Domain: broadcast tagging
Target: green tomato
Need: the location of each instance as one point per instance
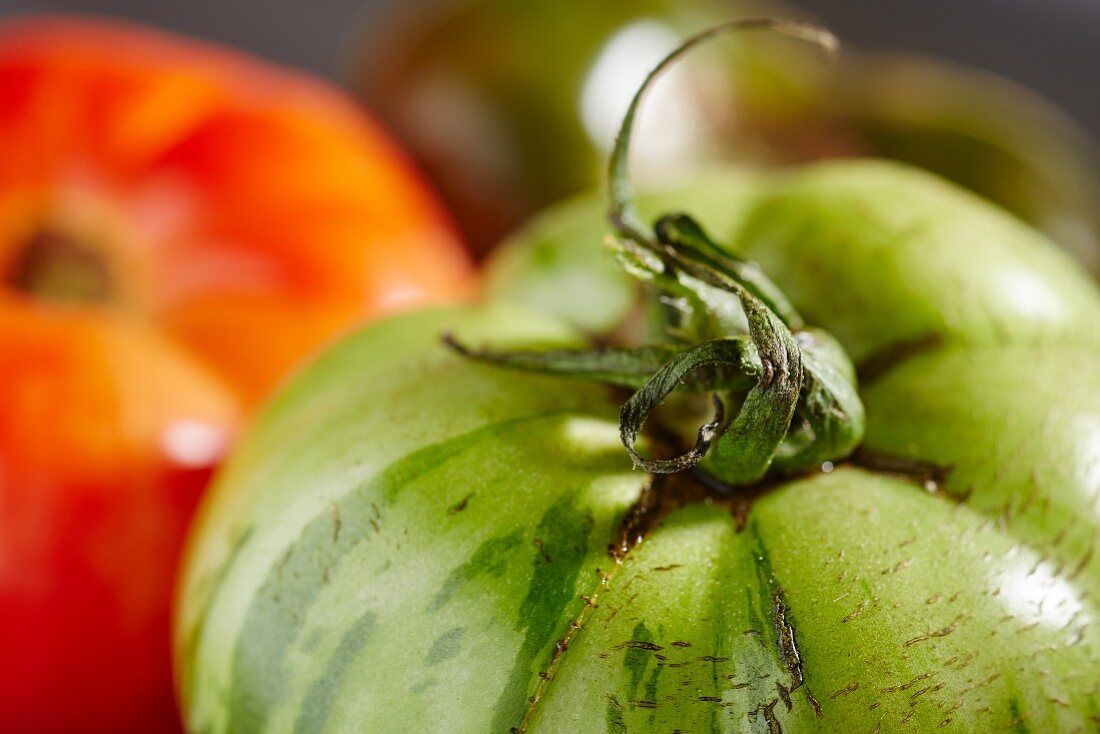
(477, 89)
(412, 541)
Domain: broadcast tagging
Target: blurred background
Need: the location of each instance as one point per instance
(1050, 45)
(410, 60)
(475, 90)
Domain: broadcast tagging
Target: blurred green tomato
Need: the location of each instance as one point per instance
(512, 104)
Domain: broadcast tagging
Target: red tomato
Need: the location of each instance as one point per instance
(178, 226)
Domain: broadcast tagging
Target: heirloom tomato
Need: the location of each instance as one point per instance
(410, 540)
(178, 225)
(889, 523)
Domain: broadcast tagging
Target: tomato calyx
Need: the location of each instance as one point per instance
(725, 329)
(52, 266)
(804, 409)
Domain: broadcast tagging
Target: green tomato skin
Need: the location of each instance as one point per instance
(883, 255)
(886, 256)
(385, 556)
(1041, 477)
(408, 541)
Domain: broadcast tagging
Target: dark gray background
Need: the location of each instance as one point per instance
(1052, 46)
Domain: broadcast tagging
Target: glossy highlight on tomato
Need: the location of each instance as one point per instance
(179, 225)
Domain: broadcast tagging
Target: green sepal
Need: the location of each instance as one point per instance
(737, 354)
(744, 450)
(629, 367)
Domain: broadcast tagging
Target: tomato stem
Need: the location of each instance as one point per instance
(624, 216)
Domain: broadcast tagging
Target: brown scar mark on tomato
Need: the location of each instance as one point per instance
(640, 518)
(740, 512)
(644, 704)
(669, 567)
(680, 643)
(969, 658)
(899, 566)
(860, 609)
(788, 652)
(336, 523)
(850, 688)
(926, 474)
(768, 712)
(978, 685)
(627, 605)
(710, 699)
(942, 632)
(893, 355)
(639, 645)
(1082, 563)
(910, 684)
(460, 505)
(784, 694)
(537, 542)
